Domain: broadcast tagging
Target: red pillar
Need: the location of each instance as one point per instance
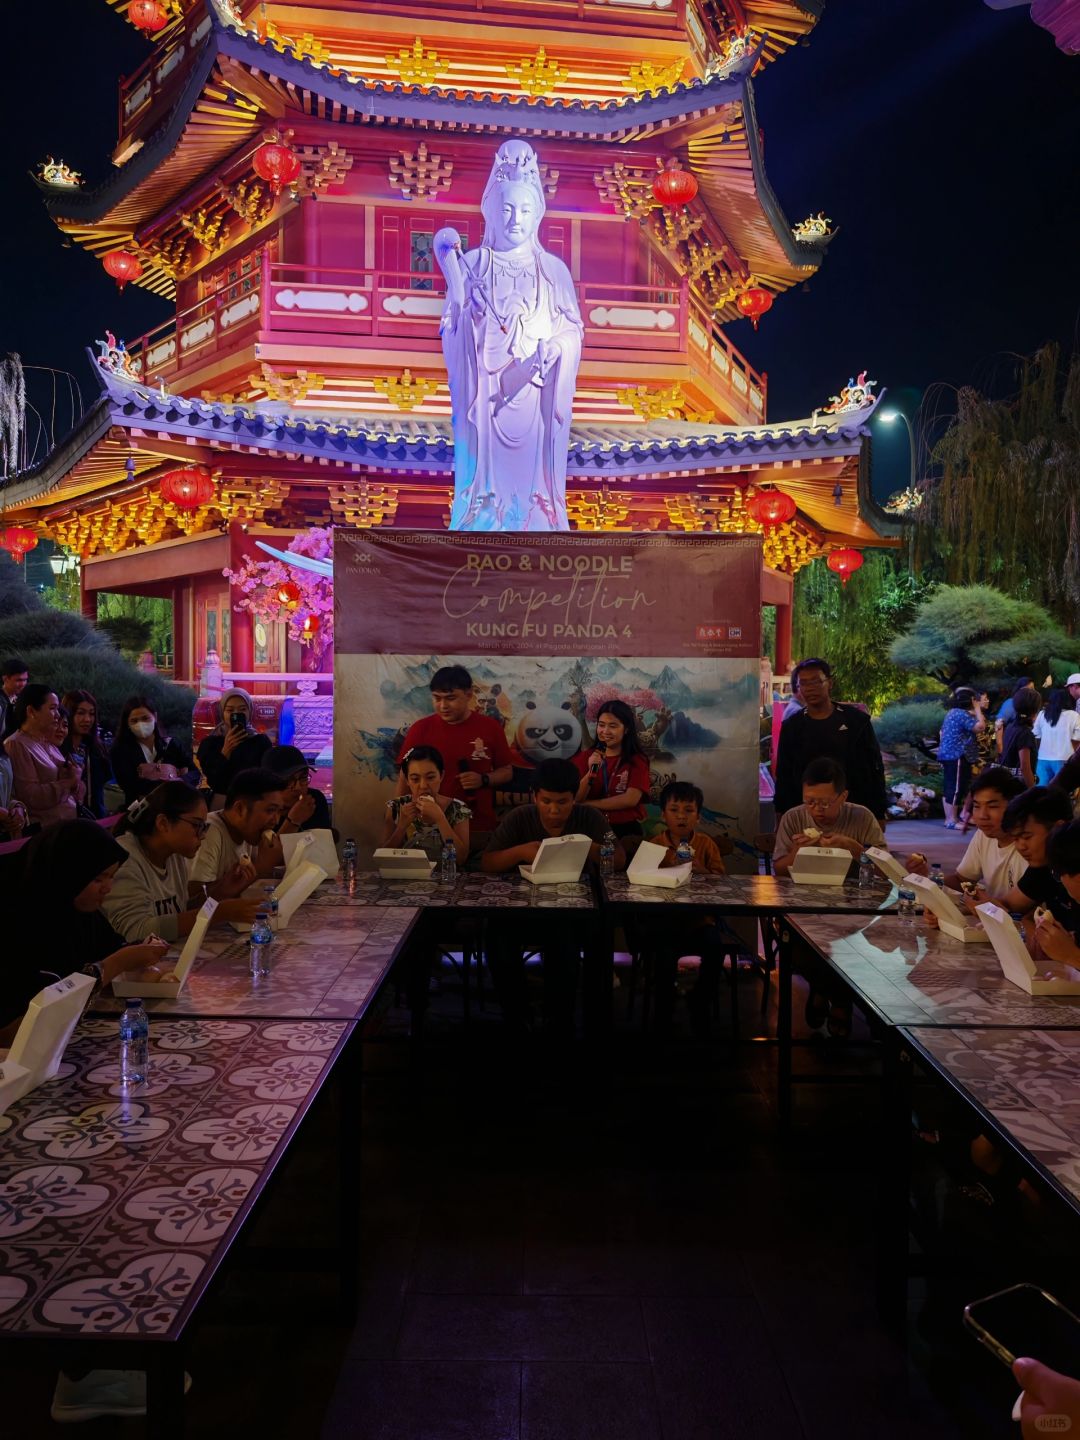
(183, 660)
(88, 599)
(243, 628)
(783, 639)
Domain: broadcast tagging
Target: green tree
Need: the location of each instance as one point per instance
(965, 633)
(1006, 506)
(137, 622)
(853, 625)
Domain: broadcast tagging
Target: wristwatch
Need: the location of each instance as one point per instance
(485, 781)
(96, 971)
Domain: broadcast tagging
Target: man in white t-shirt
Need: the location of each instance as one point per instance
(991, 860)
(242, 833)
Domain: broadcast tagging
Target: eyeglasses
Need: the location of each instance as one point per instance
(199, 826)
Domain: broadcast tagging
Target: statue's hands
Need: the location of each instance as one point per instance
(447, 244)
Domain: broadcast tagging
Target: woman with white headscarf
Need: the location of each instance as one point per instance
(511, 332)
(234, 744)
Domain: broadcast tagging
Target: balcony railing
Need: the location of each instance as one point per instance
(344, 308)
(159, 76)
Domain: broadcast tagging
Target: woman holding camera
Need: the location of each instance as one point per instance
(234, 745)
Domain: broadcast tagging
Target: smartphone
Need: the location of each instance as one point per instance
(238, 720)
(1025, 1320)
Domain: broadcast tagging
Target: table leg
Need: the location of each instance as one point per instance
(783, 1022)
(165, 1393)
(350, 1082)
(894, 1181)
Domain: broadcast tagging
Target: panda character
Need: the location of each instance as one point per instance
(547, 732)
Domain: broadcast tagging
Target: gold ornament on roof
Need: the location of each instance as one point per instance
(289, 388)
(813, 230)
(364, 505)
(734, 49)
(665, 402)
(536, 74)
(418, 66)
(406, 390)
(628, 188)
(645, 78)
(598, 510)
(172, 253)
(320, 167)
(418, 175)
(549, 179)
(671, 228)
(209, 229)
(249, 199)
(303, 46)
(55, 172)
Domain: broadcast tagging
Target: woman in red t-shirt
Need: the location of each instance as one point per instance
(615, 773)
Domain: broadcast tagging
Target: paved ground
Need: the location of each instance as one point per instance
(930, 837)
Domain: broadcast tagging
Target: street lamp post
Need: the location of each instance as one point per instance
(890, 417)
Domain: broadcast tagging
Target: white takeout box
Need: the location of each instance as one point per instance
(170, 989)
(1013, 957)
(42, 1037)
(559, 861)
(952, 921)
(888, 864)
(821, 865)
(645, 869)
(403, 864)
(295, 889)
(316, 846)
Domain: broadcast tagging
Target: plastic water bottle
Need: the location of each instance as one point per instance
(271, 906)
(134, 1044)
(905, 903)
(607, 854)
(448, 863)
(1018, 921)
(684, 855)
(867, 873)
(348, 861)
(937, 875)
(259, 946)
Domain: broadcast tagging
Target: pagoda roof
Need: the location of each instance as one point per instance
(171, 426)
(238, 83)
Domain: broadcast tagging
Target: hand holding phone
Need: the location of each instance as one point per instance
(1026, 1321)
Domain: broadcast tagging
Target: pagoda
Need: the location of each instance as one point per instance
(280, 172)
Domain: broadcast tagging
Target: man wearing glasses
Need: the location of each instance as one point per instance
(824, 729)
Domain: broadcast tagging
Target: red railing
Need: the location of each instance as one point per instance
(343, 308)
(159, 76)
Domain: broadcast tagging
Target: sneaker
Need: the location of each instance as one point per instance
(101, 1392)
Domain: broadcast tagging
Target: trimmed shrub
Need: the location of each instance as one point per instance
(49, 630)
(111, 679)
(913, 725)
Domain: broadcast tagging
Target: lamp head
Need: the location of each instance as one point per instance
(889, 417)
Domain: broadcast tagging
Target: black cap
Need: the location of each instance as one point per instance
(286, 761)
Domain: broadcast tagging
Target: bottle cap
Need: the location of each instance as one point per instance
(133, 1004)
(261, 914)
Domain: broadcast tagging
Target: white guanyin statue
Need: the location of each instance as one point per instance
(511, 333)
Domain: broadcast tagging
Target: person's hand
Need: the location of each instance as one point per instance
(70, 775)
(427, 809)
(302, 810)
(917, 864)
(528, 853)
(167, 772)
(470, 780)
(596, 762)
(930, 918)
(146, 771)
(232, 740)
(1047, 1393)
(407, 814)
(235, 881)
(1055, 942)
(242, 911)
(842, 842)
(139, 957)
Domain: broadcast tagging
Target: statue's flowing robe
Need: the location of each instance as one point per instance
(510, 448)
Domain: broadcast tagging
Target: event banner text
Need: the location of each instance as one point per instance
(468, 594)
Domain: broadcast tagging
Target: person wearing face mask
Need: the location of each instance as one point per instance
(143, 756)
(65, 874)
(45, 783)
(235, 745)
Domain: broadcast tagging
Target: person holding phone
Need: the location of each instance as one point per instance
(1047, 1396)
(235, 745)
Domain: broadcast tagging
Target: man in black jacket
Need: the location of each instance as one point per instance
(825, 728)
(13, 678)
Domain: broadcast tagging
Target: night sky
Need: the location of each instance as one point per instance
(941, 137)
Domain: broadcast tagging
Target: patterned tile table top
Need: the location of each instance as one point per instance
(114, 1206)
(750, 893)
(472, 891)
(1028, 1084)
(912, 975)
(328, 964)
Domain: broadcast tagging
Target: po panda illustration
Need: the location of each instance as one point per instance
(548, 732)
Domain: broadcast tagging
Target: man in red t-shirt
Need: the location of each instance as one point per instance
(473, 746)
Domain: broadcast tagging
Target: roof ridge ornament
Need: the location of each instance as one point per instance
(857, 395)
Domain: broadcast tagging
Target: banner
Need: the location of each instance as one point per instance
(531, 618)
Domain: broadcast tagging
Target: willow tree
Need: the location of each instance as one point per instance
(1005, 509)
(853, 625)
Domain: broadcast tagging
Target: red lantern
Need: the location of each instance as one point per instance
(311, 624)
(771, 507)
(674, 187)
(289, 594)
(753, 303)
(18, 542)
(187, 489)
(122, 266)
(147, 16)
(844, 563)
(277, 165)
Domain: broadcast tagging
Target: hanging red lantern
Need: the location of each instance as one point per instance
(674, 186)
(277, 165)
(288, 594)
(844, 563)
(753, 303)
(122, 266)
(311, 624)
(771, 507)
(187, 489)
(148, 16)
(18, 541)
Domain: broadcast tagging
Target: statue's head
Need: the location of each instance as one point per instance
(513, 203)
